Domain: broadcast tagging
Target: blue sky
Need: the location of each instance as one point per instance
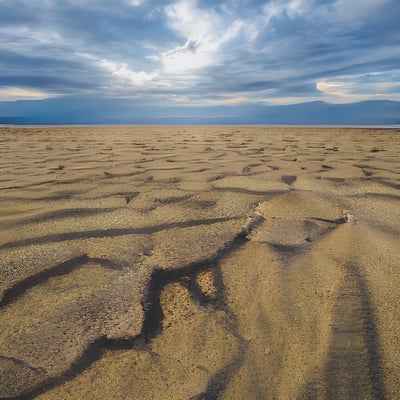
(201, 53)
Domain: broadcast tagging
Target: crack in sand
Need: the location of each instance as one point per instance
(152, 324)
(14, 292)
(355, 367)
(106, 233)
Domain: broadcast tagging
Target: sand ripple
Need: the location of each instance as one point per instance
(199, 263)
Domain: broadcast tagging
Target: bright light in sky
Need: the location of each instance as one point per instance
(201, 51)
(15, 93)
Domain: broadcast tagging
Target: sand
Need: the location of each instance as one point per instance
(199, 263)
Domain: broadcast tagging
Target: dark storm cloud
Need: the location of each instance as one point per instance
(256, 50)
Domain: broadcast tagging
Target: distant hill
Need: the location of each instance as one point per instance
(90, 110)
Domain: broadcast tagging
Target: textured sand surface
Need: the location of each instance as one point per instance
(199, 263)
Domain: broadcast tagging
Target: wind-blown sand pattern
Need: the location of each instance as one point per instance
(199, 263)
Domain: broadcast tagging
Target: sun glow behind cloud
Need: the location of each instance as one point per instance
(203, 32)
(201, 52)
(358, 87)
(15, 93)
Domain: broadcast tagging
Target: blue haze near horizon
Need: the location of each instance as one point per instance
(200, 62)
(70, 110)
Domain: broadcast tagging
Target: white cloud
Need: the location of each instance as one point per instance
(203, 31)
(15, 93)
(355, 88)
(192, 55)
(293, 8)
(228, 101)
(340, 91)
(191, 22)
(122, 72)
(326, 86)
(122, 78)
(271, 9)
(278, 101)
(199, 100)
(135, 3)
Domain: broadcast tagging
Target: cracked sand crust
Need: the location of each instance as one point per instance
(199, 263)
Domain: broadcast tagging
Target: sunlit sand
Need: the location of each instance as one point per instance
(199, 263)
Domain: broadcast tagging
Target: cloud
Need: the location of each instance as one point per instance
(136, 3)
(202, 51)
(192, 55)
(226, 101)
(354, 88)
(292, 8)
(186, 18)
(15, 93)
(204, 32)
(122, 72)
(325, 86)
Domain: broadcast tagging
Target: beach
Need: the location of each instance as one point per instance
(199, 263)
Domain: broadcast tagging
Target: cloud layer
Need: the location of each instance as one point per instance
(197, 52)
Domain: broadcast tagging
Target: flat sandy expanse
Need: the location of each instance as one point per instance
(199, 263)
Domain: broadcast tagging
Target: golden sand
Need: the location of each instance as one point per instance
(199, 263)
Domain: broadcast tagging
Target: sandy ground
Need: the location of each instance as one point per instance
(199, 263)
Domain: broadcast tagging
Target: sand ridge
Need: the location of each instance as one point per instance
(199, 263)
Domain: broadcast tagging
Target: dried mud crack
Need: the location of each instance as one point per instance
(102, 233)
(153, 319)
(125, 271)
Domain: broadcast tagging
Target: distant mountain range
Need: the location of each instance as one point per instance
(89, 110)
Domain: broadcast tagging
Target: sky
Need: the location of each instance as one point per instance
(200, 53)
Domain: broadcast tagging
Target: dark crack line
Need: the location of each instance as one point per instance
(92, 354)
(337, 221)
(265, 193)
(197, 294)
(152, 325)
(28, 185)
(17, 290)
(60, 214)
(108, 233)
(218, 383)
(22, 363)
(55, 197)
(161, 277)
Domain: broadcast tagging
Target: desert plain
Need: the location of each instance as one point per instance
(199, 263)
